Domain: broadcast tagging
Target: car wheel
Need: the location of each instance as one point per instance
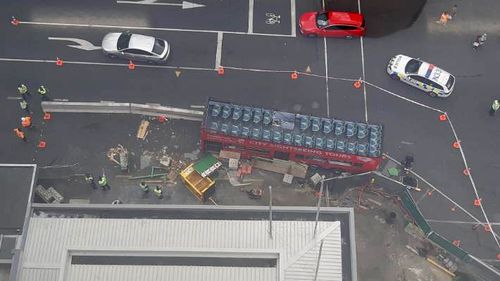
(394, 76)
(348, 37)
(312, 35)
(432, 94)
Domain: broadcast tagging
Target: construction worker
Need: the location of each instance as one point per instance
(103, 183)
(26, 122)
(494, 107)
(24, 105)
(158, 192)
(22, 89)
(90, 180)
(144, 187)
(20, 134)
(43, 92)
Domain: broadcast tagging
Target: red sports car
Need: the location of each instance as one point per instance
(332, 24)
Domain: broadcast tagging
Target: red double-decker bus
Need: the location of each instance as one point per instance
(350, 146)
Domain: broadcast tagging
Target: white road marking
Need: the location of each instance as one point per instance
(218, 54)
(404, 98)
(82, 44)
(151, 28)
(460, 222)
(250, 16)
(184, 4)
(444, 195)
(363, 69)
(294, 18)
(470, 177)
(108, 64)
(326, 79)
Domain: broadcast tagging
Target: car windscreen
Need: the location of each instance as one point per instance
(159, 47)
(123, 41)
(322, 19)
(412, 66)
(450, 82)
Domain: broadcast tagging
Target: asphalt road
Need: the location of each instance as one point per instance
(258, 58)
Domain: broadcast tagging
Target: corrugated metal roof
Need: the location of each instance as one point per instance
(49, 240)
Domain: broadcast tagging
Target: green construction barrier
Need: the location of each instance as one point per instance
(448, 246)
(411, 208)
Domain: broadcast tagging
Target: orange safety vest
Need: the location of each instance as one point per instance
(26, 121)
(19, 134)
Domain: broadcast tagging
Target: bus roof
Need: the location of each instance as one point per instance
(329, 134)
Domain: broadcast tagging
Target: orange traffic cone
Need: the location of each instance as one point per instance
(294, 75)
(357, 84)
(131, 65)
(14, 21)
(442, 117)
(59, 62)
(42, 144)
(220, 70)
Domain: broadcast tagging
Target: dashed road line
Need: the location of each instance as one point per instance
(151, 28)
(250, 16)
(218, 53)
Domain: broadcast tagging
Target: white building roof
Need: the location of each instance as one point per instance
(51, 242)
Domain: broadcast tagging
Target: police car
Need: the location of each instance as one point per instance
(425, 76)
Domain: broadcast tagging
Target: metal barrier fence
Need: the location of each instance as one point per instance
(119, 107)
(393, 187)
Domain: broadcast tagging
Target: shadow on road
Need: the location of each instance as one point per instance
(383, 17)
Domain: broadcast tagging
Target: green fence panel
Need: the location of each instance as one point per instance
(448, 246)
(410, 206)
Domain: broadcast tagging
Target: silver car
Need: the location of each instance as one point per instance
(135, 47)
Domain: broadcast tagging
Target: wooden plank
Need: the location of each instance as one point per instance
(143, 129)
(281, 166)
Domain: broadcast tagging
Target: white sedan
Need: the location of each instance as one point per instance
(135, 47)
(425, 76)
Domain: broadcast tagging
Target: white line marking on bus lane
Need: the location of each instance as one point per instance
(294, 19)
(250, 16)
(218, 53)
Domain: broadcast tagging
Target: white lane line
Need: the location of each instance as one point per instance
(184, 4)
(218, 53)
(445, 196)
(403, 98)
(459, 222)
(326, 79)
(470, 177)
(151, 28)
(250, 16)
(107, 64)
(363, 69)
(294, 19)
